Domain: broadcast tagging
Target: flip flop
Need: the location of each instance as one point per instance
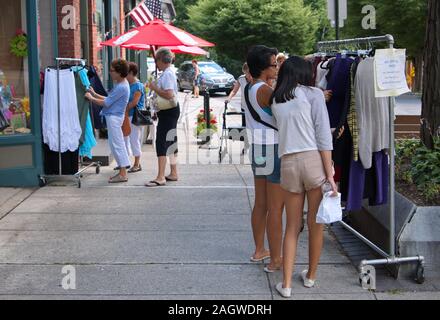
(267, 270)
(154, 184)
(171, 180)
(260, 259)
(118, 179)
(134, 169)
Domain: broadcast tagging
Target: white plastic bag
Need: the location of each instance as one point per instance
(330, 210)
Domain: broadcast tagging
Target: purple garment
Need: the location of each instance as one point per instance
(377, 191)
(382, 171)
(339, 82)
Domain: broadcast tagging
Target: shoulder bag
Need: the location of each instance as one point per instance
(165, 104)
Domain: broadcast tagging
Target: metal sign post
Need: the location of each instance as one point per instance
(337, 13)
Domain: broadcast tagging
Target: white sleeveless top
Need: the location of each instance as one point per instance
(257, 132)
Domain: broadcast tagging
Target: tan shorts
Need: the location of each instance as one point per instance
(301, 172)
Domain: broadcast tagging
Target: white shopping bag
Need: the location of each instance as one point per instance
(330, 210)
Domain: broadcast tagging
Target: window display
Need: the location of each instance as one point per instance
(14, 78)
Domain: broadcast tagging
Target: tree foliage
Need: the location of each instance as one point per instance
(181, 7)
(236, 25)
(404, 19)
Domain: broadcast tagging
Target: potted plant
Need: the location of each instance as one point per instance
(202, 132)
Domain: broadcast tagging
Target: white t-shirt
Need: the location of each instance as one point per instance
(257, 132)
(303, 122)
(168, 81)
(243, 83)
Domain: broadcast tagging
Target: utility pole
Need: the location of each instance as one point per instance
(337, 18)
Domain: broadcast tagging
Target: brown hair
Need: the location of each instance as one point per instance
(133, 68)
(121, 66)
(195, 61)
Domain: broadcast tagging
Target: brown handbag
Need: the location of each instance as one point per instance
(126, 127)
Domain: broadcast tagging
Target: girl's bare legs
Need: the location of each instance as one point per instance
(294, 209)
(259, 218)
(275, 196)
(316, 231)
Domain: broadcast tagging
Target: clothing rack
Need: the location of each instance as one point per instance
(389, 258)
(60, 175)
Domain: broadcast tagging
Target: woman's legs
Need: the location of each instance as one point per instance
(173, 167)
(275, 196)
(162, 163)
(135, 142)
(117, 143)
(294, 208)
(259, 218)
(166, 142)
(316, 231)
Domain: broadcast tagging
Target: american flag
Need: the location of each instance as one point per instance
(146, 11)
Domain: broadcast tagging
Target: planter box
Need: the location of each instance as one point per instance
(417, 231)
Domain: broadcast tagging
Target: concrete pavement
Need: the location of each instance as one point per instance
(189, 240)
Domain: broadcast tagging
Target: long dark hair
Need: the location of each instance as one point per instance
(294, 71)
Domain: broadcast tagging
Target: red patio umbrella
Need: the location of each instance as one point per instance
(195, 51)
(157, 33)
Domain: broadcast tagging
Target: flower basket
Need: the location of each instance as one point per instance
(201, 131)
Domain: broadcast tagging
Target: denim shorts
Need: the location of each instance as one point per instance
(265, 163)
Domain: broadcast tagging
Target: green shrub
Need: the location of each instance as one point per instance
(419, 165)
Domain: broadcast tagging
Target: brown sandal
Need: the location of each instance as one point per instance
(118, 179)
(154, 184)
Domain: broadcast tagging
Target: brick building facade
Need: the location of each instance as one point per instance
(94, 20)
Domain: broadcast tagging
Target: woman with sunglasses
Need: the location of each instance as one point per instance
(263, 136)
(114, 111)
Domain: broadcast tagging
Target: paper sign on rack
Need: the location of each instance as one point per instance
(389, 73)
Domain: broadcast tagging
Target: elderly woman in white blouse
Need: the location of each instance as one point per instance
(166, 136)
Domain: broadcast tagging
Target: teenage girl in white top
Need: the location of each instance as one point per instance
(305, 149)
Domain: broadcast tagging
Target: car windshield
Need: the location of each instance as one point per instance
(210, 68)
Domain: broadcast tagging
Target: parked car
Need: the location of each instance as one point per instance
(212, 77)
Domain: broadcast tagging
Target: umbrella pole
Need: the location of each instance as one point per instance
(153, 52)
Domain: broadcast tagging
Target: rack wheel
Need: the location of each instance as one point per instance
(420, 274)
(98, 169)
(42, 182)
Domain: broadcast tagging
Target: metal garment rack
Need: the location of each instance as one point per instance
(60, 175)
(391, 258)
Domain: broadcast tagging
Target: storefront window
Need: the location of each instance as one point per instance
(100, 25)
(14, 67)
(116, 25)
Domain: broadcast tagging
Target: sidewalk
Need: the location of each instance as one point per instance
(188, 240)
